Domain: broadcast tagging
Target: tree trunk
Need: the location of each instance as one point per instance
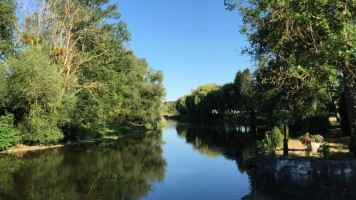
(349, 73)
(336, 108)
(350, 98)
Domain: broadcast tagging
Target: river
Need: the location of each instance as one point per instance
(184, 161)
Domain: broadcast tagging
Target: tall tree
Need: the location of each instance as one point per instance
(7, 22)
(297, 42)
(244, 88)
(74, 71)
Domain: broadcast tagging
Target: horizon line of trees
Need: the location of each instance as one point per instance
(245, 96)
(210, 100)
(65, 70)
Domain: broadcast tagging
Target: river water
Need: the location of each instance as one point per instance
(184, 161)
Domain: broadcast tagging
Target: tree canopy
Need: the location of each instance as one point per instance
(7, 23)
(301, 45)
(72, 71)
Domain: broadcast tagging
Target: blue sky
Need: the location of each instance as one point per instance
(194, 42)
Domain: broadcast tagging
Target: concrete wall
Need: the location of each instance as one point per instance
(284, 178)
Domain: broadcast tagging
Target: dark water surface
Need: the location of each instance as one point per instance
(183, 162)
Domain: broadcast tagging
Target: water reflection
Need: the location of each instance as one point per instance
(109, 170)
(234, 141)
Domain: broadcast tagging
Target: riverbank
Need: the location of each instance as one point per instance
(21, 148)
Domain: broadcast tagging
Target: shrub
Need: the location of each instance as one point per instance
(316, 123)
(325, 152)
(9, 135)
(276, 136)
(271, 141)
(41, 130)
(266, 145)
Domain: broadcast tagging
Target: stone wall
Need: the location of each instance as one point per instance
(285, 178)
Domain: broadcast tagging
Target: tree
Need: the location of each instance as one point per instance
(7, 22)
(73, 72)
(298, 42)
(108, 82)
(35, 93)
(244, 88)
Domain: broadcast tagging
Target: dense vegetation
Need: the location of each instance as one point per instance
(210, 100)
(306, 48)
(65, 71)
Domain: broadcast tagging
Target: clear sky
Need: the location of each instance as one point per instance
(194, 42)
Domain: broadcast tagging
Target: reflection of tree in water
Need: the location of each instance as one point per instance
(109, 170)
(233, 141)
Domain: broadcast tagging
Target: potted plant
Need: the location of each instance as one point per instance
(313, 140)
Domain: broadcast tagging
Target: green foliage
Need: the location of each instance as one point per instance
(294, 45)
(36, 91)
(244, 90)
(3, 85)
(170, 107)
(200, 103)
(83, 81)
(42, 129)
(308, 150)
(276, 136)
(7, 22)
(9, 135)
(325, 151)
(131, 92)
(266, 145)
(316, 123)
(271, 141)
(211, 100)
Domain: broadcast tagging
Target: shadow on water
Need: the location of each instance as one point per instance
(109, 170)
(233, 141)
(297, 180)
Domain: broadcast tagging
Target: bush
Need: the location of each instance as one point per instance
(271, 141)
(41, 129)
(325, 152)
(9, 135)
(266, 145)
(316, 123)
(276, 136)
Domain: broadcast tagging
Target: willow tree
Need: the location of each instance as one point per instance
(298, 42)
